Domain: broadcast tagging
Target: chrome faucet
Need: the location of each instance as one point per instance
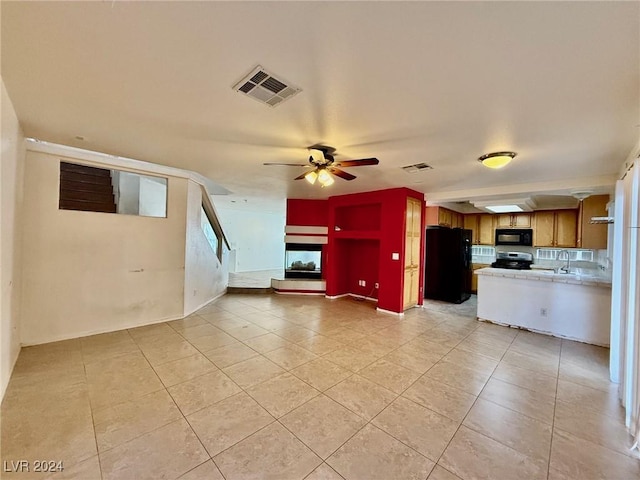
(567, 267)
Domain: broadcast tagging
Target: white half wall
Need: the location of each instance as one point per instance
(88, 272)
(256, 234)
(205, 276)
(575, 312)
(11, 195)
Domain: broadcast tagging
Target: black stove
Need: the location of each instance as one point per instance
(513, 260)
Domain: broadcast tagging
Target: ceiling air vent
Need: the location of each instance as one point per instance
(417, 167)
(265, 87)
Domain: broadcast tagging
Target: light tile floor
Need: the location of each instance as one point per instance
(280, 387)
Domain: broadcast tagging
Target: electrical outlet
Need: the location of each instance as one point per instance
(543, 312)
(377, 285)
(364, 283)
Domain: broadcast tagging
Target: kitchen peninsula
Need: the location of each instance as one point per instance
(575, 306)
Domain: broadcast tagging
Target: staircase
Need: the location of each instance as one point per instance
(86, 188)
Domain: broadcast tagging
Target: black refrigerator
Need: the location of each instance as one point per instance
(447, 264)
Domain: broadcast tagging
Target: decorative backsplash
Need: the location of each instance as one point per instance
(545, 257)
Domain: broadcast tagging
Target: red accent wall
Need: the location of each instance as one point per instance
(363, 263)
(307, 212)
(363, 220)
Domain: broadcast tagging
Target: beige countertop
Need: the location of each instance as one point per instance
(578, 276)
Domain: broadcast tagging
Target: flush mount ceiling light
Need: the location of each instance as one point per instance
(510, 205)
(496, 159)
(504, 208)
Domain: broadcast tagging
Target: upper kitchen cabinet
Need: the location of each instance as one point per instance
(513, 220)
(481, 226)
(444, 217)
(555, 228)
(593, 236)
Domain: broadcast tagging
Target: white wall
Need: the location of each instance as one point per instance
(576, 312)
(129, 190)
(11, 176)
(625, 317)
(153, 197)
(256, 235)
(87, 272)
(205, 277)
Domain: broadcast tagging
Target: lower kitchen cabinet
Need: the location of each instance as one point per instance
(474, 276)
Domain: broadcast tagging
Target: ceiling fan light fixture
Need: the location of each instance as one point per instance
(311, 177)
(330, 181)
(325, 178)
(497, 159)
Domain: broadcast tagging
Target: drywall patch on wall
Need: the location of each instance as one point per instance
(11, 193)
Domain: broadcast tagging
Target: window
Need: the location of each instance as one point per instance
(93, 189)
(210, 233)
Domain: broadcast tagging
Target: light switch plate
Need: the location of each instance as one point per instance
(395, 256)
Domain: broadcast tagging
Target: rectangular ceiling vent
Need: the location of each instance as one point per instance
(417, 167)
(265, 87)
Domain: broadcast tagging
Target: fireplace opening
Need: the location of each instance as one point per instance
(303, 261)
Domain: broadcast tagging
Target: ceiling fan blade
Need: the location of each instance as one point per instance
(357, 163)
(300, 177)
(341, 173)
(288, 164)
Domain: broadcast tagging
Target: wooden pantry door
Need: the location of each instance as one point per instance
(413, 232)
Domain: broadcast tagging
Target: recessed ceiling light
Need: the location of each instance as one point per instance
(496, 159)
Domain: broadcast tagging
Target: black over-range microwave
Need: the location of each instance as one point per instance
(514, 236)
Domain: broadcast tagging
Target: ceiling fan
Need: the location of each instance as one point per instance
(323, 161)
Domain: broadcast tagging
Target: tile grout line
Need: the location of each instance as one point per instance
(347, 408)
(473, 404)
(366, 335)
(93, 421)
(370, 422)
(555, 403)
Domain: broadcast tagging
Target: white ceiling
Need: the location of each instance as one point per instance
(434, 82)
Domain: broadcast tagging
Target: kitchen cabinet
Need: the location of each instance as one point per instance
(474, 276)
(486, 230)
(513, 220)
(592, 236)
(444, 217)
(470, 222)
(457, 220)
(555, 228)
(481, 226)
